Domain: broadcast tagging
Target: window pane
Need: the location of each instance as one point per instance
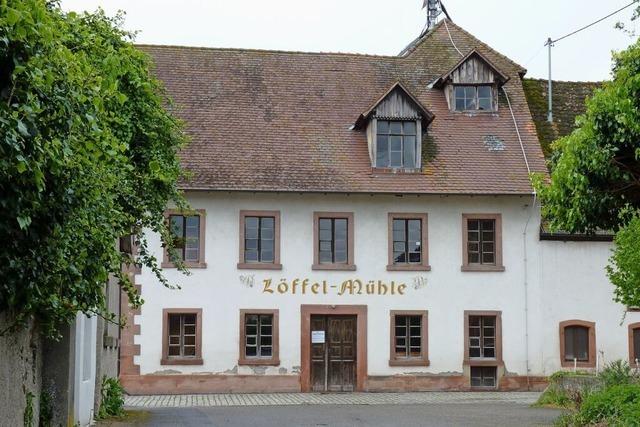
(484, 91)
(324, 224)
(382, 151)
(251, 222)
(251, 256)
(409, 151)
(484, 104)
(267, 222)
(174, 324)
(383, 127)
(340, 228)
(460, 104)
(396, 143)
(250, 351)
(266, 256)
(395, 127)
(409, 128)
(177, 224)
(396, 159)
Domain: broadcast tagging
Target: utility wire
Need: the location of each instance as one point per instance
(592, 24)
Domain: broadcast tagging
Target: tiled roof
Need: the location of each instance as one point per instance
(281, 121)
(568, 103)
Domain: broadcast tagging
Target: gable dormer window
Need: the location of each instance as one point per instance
(395, 125)
(473, 97)
(472, 85)
(396, 144)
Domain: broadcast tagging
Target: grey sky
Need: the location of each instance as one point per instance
(516, 28)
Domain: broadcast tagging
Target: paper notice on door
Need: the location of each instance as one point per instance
(317, 337)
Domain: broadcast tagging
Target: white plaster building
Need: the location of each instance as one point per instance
(365, 223)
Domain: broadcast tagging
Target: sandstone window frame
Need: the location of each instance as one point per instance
(274, 359)
(498, 265)
(424, 262)
(242, 263)
(181, 360)
(349, 265)
(423, 359)
(591, 345)
(201, 263)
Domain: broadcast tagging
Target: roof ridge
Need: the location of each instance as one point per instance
(540, 79)
(269, 51)
(422, 38)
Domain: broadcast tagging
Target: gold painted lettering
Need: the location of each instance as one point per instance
(267, 286)
(347, 286)
(359, 284)
(283, 287)
(305, 283)
(401, 288)
(371, 287)
(382, 288)
(315, 287)
(294, 285)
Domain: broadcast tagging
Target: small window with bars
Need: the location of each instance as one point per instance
(332, 240)
(182, 335)
(259, 239)
(407, 241)
(481, 241)
(408, 336)
(258, 335)
(482, 336)
(576, 343)
(185, 231)
(484, 376)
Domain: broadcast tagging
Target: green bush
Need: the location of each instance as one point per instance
(554, 396)
(616, 406)
(112, 398)
(618, 373)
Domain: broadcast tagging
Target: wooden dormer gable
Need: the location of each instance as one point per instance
(396, 103)
(481, 79)
(473, 68)
(394, 126)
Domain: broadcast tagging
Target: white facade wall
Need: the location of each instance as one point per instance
(563, 281)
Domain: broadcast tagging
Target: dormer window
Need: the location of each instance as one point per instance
(395, 125)
(473, 97)
(472, 85)
(396, 144)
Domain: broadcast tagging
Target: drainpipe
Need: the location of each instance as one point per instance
(550, 94)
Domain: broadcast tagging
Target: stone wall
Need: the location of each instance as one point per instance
(20, 374)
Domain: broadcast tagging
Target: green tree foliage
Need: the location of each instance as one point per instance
(595, 179)
(88, 153)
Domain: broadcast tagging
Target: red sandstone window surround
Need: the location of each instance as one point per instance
(482, 242)
(188, 231)
(409, 338)
(181, 336)
(408, 242)
(333, 241)
(259, 240)
(577, 344)
(259, 337)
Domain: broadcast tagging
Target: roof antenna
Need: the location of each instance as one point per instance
(434, 9)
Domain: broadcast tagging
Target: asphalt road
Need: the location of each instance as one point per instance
(433, 414)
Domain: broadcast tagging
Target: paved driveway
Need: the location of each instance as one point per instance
(337, 410)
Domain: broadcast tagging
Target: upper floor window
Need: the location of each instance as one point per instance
(473, 97)
(482, 336)
(187, 231)
(259, 240)
(482, 242)
(408, 242)
(333, 241)
(396, 144)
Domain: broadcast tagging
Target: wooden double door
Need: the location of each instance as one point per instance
(333, 353)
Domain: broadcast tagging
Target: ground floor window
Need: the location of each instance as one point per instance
(482, 336)
(258, 337)
(577, 343)
(182, 337)
(408, 338)
(483, 376)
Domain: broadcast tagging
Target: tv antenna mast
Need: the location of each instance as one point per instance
(435, 8)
